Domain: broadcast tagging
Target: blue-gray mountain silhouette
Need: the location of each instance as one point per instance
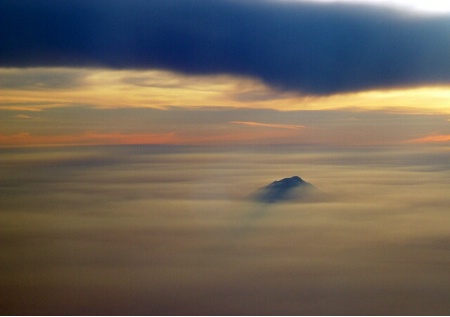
(288, 189)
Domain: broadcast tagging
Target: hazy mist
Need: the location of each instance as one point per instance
(169, 230)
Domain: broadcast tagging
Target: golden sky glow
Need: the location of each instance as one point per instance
(28, 95)
(160, 89)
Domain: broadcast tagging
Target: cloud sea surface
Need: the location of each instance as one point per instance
(167, 230)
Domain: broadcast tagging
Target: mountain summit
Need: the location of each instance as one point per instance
(287, 189)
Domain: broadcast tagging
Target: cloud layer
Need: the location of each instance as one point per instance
(312, 48)
(158, 230)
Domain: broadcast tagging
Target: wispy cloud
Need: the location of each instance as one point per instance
(43, 88)
(269, 125)
(436, 138)
(22, 116)
(226, 125)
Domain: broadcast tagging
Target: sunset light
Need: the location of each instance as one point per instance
(224, 158)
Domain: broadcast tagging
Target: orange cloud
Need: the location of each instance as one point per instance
(437, 138)
(269, 125)
(198, 138)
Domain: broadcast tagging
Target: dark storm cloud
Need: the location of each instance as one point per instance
(319, 49)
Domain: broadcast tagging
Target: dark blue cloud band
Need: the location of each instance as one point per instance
(317, 49)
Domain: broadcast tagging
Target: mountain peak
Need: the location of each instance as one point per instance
(287, 189)
(287, 182)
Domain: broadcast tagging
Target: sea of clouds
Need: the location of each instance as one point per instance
(171, 230)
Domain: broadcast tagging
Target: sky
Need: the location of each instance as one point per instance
(134, 134)
(224, 72)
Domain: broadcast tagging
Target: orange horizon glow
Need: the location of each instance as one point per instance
(437, 138)
(25, 139)
(29, 91)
